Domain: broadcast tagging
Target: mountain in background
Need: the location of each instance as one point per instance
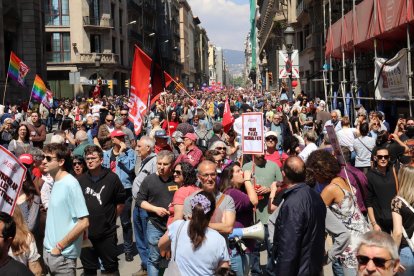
(233, 56)
(235, 61)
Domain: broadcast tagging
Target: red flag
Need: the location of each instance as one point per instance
(228, 119)
(97, 91)
(140, 75)
(157, 82)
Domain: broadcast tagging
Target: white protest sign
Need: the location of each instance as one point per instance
(252, 133)
(12, 174)
(335, 145)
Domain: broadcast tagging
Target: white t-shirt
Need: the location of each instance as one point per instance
(304, 154)
(204, 260)
(346, 137)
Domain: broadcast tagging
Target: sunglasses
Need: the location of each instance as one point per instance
(109, 120)
(378, 262)
(375, 124)
(49, 158)
(77, 163)
(178, 172)
(123, 114)
(271, 138)
(221, 148)
(386, 157)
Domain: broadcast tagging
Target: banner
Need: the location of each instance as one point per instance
(333, 139)
(12, 174)
(252, 133)
(392, 80)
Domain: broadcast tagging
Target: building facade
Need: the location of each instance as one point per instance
(21, 31)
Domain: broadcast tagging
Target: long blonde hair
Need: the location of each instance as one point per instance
(406, 181)
(20, 242)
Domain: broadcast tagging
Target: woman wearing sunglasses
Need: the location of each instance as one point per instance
(185, 176)
(78, 165)
(403, 217)
(323, 167)
(221, 147)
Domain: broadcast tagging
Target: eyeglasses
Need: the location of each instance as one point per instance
(221, 148)
(178, 172)
(378, 262)
(49, 158)
(207, 175)
(109, 120)
(271, 138)
(124, 114)
(77, 163)
(375, 124)
(386, 157)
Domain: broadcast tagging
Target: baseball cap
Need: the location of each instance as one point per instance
(178, 136)
(26, 159)
(270, 133)
(191, 136)
(160, 134)
(117, 133)
(358, 106)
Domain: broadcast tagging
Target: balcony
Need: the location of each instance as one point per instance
(105, 58)
(301, 9)
(98, 22)
(280, 15)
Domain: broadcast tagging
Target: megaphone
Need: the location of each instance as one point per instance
(254, 232)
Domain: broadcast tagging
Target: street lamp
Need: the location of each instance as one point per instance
(289, 34)
(264, 63)
(132, 22)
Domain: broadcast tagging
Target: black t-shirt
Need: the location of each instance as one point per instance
(14, 268)
(158, 193)
(102, 195)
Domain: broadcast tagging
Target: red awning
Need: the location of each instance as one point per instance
(361, 28)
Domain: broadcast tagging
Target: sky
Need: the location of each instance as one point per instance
(226, 21)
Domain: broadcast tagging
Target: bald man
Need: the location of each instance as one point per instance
(81, 138)
(299, 238)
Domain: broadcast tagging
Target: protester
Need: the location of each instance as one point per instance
(299, 239)
(105, 197)
(67, 216)
(21, 143)
(197, 248)
(37, 131)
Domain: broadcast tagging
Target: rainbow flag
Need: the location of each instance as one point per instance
(17, 69)
(39, 90)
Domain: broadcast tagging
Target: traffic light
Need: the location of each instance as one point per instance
(270, 77)
(127, 83)
(110, 84)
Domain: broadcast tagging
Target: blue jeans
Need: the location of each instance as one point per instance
(140, 220)
(407, 260)
(337, 268)
(126, 222)
(154, 258)
(239, 263)
(255, 256)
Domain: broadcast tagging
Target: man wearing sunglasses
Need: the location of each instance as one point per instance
(377, 254)
(104, 132)
(382, 187)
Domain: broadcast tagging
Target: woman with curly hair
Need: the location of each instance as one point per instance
(201, 250)
(339, 196)
(23, 247)
(186, 177)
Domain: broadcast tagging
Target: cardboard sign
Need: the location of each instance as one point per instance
(335, 145)
(12, 174)
(252, 133)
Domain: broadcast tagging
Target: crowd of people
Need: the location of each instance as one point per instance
(183, 190)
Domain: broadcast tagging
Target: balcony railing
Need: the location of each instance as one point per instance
(311, 41)
(100, 22)
(105, 58)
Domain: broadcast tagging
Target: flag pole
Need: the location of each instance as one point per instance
(30, 98)
(5, 88)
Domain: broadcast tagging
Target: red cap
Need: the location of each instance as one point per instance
(191, 136)
(26, 159)
(117, 133)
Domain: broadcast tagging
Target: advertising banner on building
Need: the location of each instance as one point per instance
(252, 133)
(12, 174)
(392, 80)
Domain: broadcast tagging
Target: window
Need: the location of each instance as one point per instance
(57, 12)
(58, 47)
(95, 43)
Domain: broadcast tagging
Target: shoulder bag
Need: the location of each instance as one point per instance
(410, 241)
(172, 269)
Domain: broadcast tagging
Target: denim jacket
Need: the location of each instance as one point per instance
(125, 166)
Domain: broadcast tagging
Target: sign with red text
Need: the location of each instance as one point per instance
(12, 174)
(252, 133)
